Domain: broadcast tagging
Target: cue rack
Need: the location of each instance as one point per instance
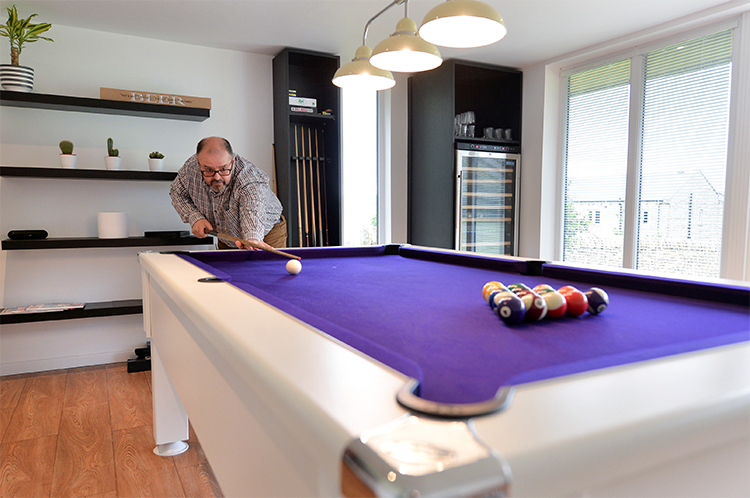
(308, 173)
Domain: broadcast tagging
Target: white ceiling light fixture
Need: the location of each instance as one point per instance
(405, 52)
(462, 24)
(469, 23)
(360, 74)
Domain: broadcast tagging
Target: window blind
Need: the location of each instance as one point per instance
(683, 156)
(596, 163)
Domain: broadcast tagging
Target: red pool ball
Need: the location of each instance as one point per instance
(577, 303)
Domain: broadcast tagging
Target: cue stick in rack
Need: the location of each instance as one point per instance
(304, 187)
(299, 206)
(252, 244)
(325, 196)
(317, 179)
(312, 189)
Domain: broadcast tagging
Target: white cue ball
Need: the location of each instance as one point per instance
(293, 266)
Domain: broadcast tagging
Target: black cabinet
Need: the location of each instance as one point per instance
(493, 93)
(307, 146)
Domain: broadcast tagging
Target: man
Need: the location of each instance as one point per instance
(217, 189)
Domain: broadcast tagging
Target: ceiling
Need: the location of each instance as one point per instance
(538, 30)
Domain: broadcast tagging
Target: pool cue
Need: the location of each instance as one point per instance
(317, 164)
(299, 206)
(304, 187)
(325, 195)
(252, 244)
(312, 189)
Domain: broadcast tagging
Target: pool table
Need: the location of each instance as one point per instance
(383, 370)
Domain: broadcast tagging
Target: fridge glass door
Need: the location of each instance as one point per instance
(486, 216)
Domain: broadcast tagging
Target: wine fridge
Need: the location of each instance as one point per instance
(487, 193)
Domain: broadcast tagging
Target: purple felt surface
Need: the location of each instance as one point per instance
(428, 319)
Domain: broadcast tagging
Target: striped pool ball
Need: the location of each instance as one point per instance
(536, 307)
(539, 289)
(518, 286)
(489, 287)
(496, 295)
(577, 303)
(557, 305)
(598, 300)
(511, 309)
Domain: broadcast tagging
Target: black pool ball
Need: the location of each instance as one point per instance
(598, 300)
(511, 309)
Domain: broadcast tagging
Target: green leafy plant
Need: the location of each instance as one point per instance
(66, 146)
(111, 151)
(21, 31)
(156, 155)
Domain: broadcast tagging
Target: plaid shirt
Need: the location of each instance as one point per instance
(247, 208)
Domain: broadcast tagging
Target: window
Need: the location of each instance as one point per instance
(359, 167)
(671, 106)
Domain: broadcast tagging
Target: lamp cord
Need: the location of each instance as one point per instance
(394, 2)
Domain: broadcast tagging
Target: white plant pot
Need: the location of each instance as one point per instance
(68, 160)
(112, 162)
(155, 164)
(16, 78)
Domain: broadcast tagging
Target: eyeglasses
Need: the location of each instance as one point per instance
(223, 171)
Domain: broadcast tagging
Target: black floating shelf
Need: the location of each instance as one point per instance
(92, 174)
(90, 310)
(101, 106)
(305, 117)
(78, 243)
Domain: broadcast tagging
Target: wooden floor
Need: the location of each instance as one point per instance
(88, 432)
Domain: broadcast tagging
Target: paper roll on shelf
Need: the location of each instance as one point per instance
(112, 225)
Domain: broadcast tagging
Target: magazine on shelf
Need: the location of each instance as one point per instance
(41, 308)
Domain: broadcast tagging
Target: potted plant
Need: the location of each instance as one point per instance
(112, 159)
(156, 161)
(67, 158)
(19, 31)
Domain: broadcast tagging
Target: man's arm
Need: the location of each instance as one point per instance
(186, 208)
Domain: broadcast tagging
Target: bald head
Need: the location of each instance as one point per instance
(214, 145)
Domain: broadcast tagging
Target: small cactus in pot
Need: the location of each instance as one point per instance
(112, 160)
(67, 158)
(156, 161)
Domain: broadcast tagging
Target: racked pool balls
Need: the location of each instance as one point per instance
(598, 300)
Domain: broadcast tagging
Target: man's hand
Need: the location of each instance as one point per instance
(201, 227)
(240, 245)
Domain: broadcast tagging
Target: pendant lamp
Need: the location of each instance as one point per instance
(462, 24)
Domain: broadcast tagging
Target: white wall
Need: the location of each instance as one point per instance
(78, 63)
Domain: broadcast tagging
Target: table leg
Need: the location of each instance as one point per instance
(170, 419)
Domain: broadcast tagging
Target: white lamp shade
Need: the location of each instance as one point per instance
(462, 24)
(405, 52)
(360, 74)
